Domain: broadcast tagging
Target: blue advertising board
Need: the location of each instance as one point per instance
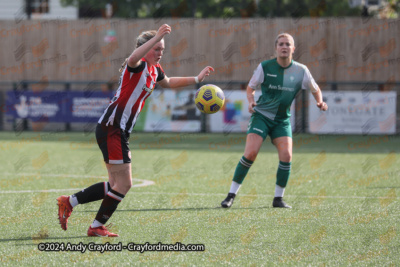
(57, 106)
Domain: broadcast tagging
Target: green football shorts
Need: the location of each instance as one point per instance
(263, 126)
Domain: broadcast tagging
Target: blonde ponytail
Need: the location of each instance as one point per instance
(123, 65)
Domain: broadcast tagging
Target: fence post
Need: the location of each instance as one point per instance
(25, 121)
(203, 117)
(3, 109)
(303, 110)
(68, 124)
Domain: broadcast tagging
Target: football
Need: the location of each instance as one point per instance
(209, 98)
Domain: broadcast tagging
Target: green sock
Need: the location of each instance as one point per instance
(283, 173)
(241, 170)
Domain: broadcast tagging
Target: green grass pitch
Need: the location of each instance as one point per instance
(343, 189)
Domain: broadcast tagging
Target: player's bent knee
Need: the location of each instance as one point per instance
(252, 155)
(286, 157)
(123, 186)
(126, 187)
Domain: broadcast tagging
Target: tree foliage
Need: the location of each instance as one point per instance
(221, 8)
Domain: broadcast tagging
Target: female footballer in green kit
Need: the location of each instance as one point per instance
(281, 79)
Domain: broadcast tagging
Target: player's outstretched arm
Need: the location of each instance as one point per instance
(180, 82)
(141, 51)
(318, 97)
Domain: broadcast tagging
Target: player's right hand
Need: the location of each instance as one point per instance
(163, 30)
(251, 106)
(322, 106)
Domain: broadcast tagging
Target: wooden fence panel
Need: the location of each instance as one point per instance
(334, 49)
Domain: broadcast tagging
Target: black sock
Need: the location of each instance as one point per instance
(108, 206)
(93, 193)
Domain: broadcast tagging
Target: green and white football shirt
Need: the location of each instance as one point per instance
(279, 87)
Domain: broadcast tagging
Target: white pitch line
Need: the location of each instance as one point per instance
(142, 184)
(56, 175)
(39, 191)
(60, 175)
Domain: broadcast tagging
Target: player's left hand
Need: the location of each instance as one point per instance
(205, 72)
(322, 106)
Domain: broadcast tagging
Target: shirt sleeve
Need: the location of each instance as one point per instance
(309, 82)
(257, 78)
(161, 74)
(138, 68)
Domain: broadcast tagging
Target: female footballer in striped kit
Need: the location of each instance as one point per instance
(139, 75)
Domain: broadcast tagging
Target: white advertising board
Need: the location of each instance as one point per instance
(354, 113)
(170, 111)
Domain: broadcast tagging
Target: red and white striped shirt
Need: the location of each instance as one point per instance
(135, 85)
